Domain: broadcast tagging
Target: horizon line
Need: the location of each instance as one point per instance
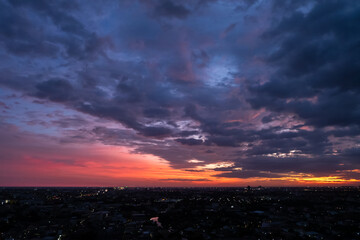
(334, 186)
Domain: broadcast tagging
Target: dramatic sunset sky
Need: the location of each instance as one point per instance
(179, 93)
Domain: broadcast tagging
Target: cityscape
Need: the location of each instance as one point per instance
(180, 213)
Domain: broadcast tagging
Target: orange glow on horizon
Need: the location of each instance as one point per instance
(107, 165)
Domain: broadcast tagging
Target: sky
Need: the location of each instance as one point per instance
(179, 93)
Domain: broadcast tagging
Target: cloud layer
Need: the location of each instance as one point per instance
(270, 89)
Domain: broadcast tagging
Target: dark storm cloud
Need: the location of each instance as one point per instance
(188, 133)
(22, 33)
(351, 152)
(314, 142)
(224, 141)
(197, 79)
(57, 90)
(189, 141)
(324, 165)
(351, 130)
(156, 131)
(248, 174)
(194, 170)
(20, 36)
(125, 117)
(168, 8)
(317, 65)
(276, 167)
(156, 113)
(57, 12)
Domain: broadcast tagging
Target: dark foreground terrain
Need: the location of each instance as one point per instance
(180, 213)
